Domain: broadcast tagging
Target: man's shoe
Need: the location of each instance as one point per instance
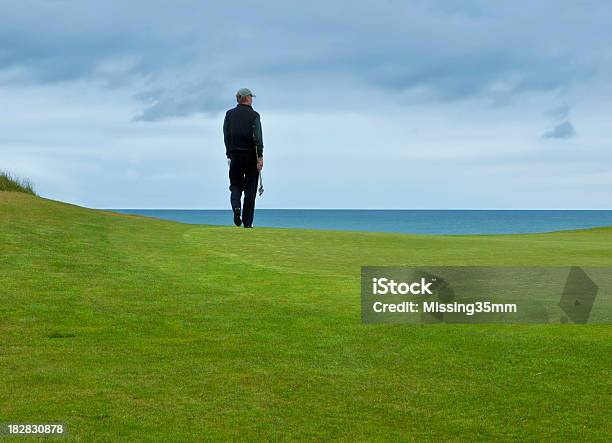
(237, 219)
(248, 226)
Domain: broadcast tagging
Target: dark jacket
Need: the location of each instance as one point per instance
(242, 130)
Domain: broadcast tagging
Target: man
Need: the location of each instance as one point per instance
(244, 150)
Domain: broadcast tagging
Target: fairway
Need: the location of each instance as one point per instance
(127, 328)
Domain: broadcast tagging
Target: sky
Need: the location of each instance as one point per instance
(364, 104)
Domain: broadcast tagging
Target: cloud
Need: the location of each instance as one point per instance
(381, 91)
(202, 97)
(563, 130)
(560, 112)
(430, 51)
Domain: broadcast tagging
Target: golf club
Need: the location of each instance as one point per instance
(261, 188)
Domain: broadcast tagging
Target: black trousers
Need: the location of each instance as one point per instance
(243, 175)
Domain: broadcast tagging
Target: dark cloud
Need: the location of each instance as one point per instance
(441, 50)
(496, 75)
(204, 97)
(563, 130)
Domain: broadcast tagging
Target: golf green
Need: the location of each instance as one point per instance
(129, 328)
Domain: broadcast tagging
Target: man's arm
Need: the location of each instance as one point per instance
(226, 135)
(258, 136)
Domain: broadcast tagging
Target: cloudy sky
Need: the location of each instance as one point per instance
(364, 104)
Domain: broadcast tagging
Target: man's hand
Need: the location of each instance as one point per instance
(259, 163)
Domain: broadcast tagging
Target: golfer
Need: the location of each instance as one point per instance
(244, 150)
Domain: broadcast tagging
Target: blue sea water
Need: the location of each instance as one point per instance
(407, 221)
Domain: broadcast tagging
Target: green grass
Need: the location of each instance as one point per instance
(12, 183)
(128, 328)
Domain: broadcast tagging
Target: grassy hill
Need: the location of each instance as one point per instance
(125, 327)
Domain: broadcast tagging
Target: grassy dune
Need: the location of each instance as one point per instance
(125, 327)
(12, 183)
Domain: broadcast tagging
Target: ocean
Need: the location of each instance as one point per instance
(407, 221)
